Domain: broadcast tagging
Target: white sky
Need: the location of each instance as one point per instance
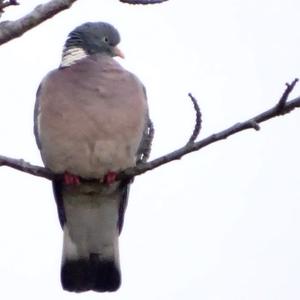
(222, 223)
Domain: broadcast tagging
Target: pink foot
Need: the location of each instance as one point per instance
(70, 179)
(110, 177)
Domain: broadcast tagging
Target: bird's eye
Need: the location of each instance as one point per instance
(105, 39)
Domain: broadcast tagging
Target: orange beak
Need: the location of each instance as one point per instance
(118, 52)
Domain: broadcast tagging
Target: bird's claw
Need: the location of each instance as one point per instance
(109, 177)
(70, 179)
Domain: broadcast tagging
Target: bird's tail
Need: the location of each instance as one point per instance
(96, 271)
(90, 258)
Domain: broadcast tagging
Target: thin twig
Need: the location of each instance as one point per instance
(26, 167)
(198, 122)
(285, 95)
(13, 29)
(143, 1)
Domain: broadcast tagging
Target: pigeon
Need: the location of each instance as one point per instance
(91, 121)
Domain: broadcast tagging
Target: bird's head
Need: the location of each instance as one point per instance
(93, 37)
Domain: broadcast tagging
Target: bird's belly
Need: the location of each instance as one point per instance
(89, 158)
(89, 162)
(111, 155)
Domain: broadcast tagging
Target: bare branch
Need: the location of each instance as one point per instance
(286, 107)
(21, 165)
(13, 29)
(285, 95)
(251, 123)
(143, 1)
(198, 122)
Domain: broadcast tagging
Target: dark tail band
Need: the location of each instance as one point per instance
(90, 274)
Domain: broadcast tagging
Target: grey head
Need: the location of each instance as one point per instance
(95, 37)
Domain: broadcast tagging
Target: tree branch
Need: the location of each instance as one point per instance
(198, 122)
(282, 101)
(21, 165)
(281, 108)
(13, 29)
(143, 1)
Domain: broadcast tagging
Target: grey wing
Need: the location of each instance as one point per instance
(146, 143)
(143, 154)
(144, 150)
(36, 117)
(57, 184)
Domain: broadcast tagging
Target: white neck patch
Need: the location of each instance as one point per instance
(71, 56)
